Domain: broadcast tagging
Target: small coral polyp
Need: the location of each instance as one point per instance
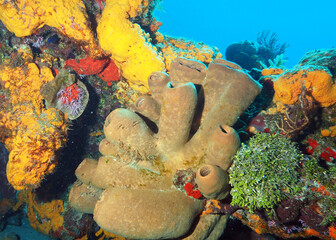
(144, 159)
(66, 93)
(71, 98)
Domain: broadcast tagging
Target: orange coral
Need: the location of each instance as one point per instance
(317, 81)
(329, 132)
(33, 133)
(44, 217)
(272, 71)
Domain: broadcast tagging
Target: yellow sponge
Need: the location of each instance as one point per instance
(127, 42)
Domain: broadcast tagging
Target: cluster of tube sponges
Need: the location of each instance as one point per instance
(184, 124)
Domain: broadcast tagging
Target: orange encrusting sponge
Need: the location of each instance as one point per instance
(317, 81)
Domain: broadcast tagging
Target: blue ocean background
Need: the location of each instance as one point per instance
(304, 25)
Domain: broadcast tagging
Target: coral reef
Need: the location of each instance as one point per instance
(178, 147)
(306, 206)
(182, 129)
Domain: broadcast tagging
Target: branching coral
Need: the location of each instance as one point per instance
(181, 130)
(270, 41)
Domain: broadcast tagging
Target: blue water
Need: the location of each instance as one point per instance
(304, 25)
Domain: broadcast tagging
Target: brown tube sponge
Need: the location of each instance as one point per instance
(175, 120)
(223, 88)
(223, 145)
(183, 70)
(127, 128)
(148, 107)
(108, 148)
(227, 63)
(146, 214)
(111, 173)
(143, 159)
(84, 197)
(86, 170)
(213, 182)
(222, 80)
(157, 82)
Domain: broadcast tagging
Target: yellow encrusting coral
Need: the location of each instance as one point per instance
(177, 47)
(129, 45)
(24, 18)
(33, 155)
(33, 134)
(24, 83)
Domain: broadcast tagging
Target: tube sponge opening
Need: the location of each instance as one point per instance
(212, 181)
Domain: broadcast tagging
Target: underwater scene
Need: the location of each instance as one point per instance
(166, 119)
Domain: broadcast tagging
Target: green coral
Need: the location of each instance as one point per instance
(264, 172)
